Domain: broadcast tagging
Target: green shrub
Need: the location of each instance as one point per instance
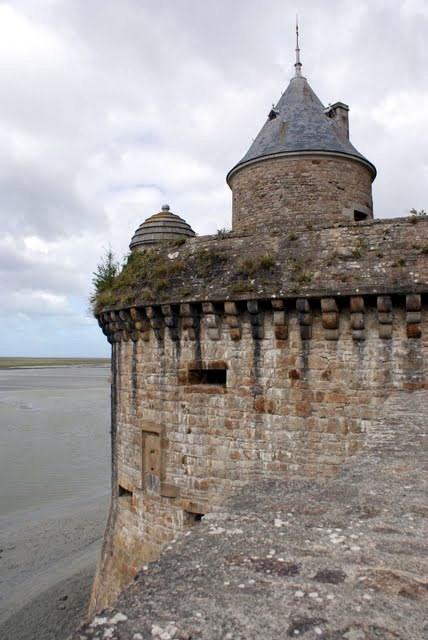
(178, 242)
(103, 299)
(241, 286)
(304, 277)
(267, 262)
(103, 279)
(183, 292)
(247, 266)
(332, 259)
(206, 259)
(361, 242)
(223, 233)
(107, 270)
(147, 295)
(296, 266)
(252, 266)
(151, 271)
(160, 284)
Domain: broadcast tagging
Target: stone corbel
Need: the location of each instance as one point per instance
(384, 315)
(279, 319)
(141, 324)
(413, 315)
(304, 318)
(138, 324)
(170, 319)
(358, 310)
(156, 321)
(188, 321)
(232, 320)
(256, 319)
(212, 320)
(330, 318)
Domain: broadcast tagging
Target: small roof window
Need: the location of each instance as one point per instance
(273, 113)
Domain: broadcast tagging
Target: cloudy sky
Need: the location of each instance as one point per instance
(109, 108)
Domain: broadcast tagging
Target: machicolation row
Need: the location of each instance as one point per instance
(184, 320)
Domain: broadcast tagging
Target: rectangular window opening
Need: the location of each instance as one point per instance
(191, 518)
(208, 376)
(359, 216)
(124, 493)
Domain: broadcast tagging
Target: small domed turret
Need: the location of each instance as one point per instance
(161, 226)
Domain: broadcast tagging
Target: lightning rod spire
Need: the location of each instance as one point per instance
(298, 64)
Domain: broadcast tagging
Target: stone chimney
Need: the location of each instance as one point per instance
(339, 113)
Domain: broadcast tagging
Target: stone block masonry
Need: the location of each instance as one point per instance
(292, 191)
(213, 396)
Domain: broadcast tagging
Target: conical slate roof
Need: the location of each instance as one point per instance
(299, 123)
(161, 226)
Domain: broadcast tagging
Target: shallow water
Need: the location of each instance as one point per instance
(54, 435)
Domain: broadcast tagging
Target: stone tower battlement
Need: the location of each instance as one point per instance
(261, 353)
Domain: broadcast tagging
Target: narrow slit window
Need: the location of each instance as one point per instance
(208, 376)
(124, 493)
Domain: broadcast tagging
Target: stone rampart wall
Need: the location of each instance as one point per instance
(379, 256)
(208, 397)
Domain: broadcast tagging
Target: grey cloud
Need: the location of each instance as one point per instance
(102, 85)
(22, 272)
(35, 201)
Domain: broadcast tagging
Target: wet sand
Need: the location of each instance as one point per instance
(47, 562)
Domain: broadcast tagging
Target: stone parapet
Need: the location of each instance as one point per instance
(367, 258)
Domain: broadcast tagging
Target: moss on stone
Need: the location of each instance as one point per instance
(241, 286)
(212, 268)
(205, 260)
(256, 264)
(147, 271)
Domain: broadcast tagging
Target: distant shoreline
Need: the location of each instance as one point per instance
(39, 363)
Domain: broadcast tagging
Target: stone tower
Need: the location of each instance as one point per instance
(302, 167)
(261, 353)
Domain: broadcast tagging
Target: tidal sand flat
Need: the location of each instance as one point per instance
(54, 486)
(47, 564)
(54, 435)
